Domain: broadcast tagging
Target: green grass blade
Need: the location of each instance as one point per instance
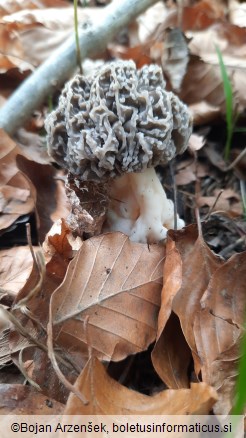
(229, 103)
(240, 129)
(240, 401)
(76, 30)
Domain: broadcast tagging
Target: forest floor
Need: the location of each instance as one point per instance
(76, 324)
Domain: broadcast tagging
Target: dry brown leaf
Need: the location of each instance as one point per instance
(139, 54)
(114, 285)
(188, 171)
(210, 83)
(203, 14)
(198, 264)
(51, 201)
(29, 36)
(13, 342)
(15, 267)
(60, 240)
(203, 113)
(232, 42)
(17, 195)
(210, 306)
(33, 146)
(23, 400)
(227, 201)
(108, 397)
(167, 360)
(175, 57)
(14, 53)
(199, 16)
(11, 6)
(222, 314)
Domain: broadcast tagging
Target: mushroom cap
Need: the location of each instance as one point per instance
(117, 121)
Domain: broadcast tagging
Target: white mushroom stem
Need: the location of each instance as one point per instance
(143, 211)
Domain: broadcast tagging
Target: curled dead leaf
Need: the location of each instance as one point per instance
(209, 300)
(170, 344)
(108, 397)
(61, 241)
(222, 314)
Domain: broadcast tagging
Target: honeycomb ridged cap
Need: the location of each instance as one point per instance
(116, 121)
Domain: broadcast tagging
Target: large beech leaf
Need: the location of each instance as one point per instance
(222, 314)
(110, 297)
(106, 396)
(171, 355)
(208, 296)
(198, 265)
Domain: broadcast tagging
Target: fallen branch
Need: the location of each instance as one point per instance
(61, 65)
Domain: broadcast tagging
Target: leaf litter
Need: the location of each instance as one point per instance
(107, 300)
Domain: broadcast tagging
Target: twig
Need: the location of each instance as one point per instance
(213, 206)
(19, 363)
(233, 164)
(53, 360)
(29, 241)
(62, 64)
(231, 247)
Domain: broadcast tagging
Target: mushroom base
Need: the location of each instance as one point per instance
(139, 208)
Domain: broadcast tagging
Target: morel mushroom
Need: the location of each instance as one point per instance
(112, 129)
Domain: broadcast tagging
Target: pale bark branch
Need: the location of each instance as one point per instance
(60, 66)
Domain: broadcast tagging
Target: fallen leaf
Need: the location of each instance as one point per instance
(222, 313)
(15, 267)
(203, 113)
(170, 344)
(23, 400)
(108, 397)
(210, 82)
(51, 202)
(210, 305)
(114, 285)
(32, 146)
(29, 36)
(139, 54)
(231, 40)
(175, 57)
(199, 264)
(188, 171)
(17, 194)
(60, 240)
(203, 14)
(10, 6)
(227, 200)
